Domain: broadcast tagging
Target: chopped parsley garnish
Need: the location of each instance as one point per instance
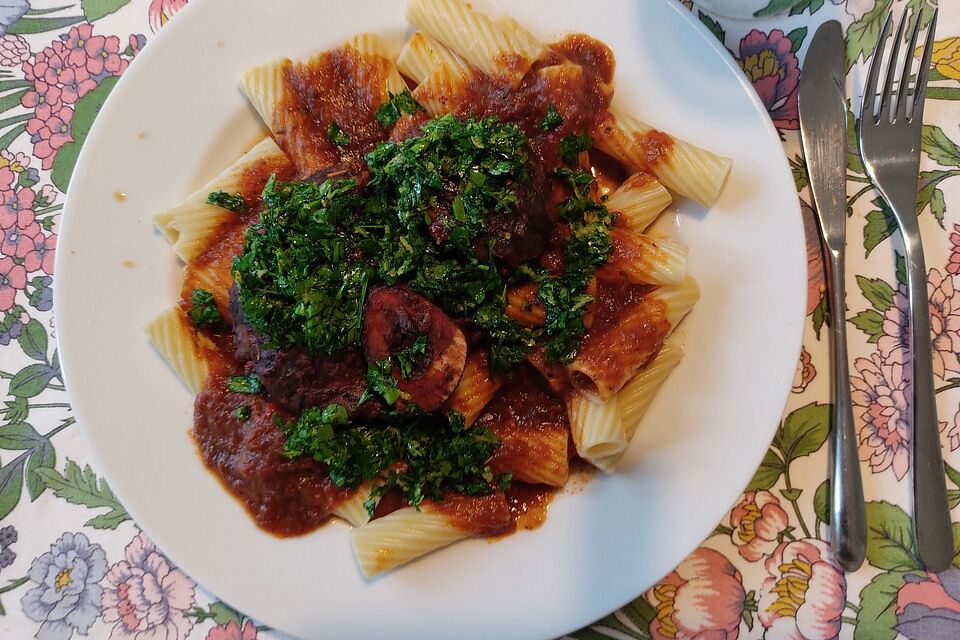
(335, 135)
(249, 384)
(380, 380)
(297, 278)
(412, 357)
(395, 106)
(229, 201)
(423, 221)
(572, 145)
(552, 120)
(204, 313)
(242, 412)
(452, 178)
(435, 453)
(586, 248)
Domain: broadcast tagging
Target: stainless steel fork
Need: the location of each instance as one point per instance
(890, 146)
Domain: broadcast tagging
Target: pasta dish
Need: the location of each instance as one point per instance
(433, 286)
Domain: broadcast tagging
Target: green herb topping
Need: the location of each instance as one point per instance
(395, 106)
(572, 145)
(242, 412)
(380, 380)
(337, 136)
(204, 313)
(412, 357)
(586, 248)
(249, 384)
(436, 453)
(307, 264)
(229, 201)
(552, 120)
(295, 278)
(421, 221)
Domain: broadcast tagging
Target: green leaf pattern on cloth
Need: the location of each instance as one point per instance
(765, 572)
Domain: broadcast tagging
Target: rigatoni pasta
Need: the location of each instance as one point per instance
(476, 388)
(597, 427)
(194, 223)
(495, 46)
(638, 201)
(181, 346)
(426, 293)
(692, 172)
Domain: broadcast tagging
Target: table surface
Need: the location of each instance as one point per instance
(73, 563)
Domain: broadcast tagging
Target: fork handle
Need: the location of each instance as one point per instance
(932, 526)
(848, 520)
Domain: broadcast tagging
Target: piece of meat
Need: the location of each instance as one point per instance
(296, 380)
(246, 340)
(393, 319)
(521, 234)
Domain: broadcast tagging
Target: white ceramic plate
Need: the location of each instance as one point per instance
(177, 118)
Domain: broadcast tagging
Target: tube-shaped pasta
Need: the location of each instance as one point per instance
(498, 47)
(371, 44)
(477, 387)
(182, 347)
(441, 92)
(537, 455)
(533, 430)
(402, 536)
(294, 119)
(263, 86)
(407, 533)
(553, 372)
(638, 201)
(352, 509)
(193, 224)
(678, 300)
(641, 259)
(689, 170)
(635, 397)
(638, 393)
(609, 357)
(421, 55)
(597, 428)
(211, 270)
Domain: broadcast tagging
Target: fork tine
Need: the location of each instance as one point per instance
(887, 103)
(920, 90)
(869, 102)
(901, 109)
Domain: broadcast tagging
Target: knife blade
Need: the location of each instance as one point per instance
(823, 129)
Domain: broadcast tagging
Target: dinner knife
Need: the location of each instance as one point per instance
(823, 128)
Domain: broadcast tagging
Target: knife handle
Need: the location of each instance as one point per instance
(848, 518)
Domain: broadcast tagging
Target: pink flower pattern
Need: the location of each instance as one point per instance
(806, 372)
(758, 521)
(14, 50)
(233, 631)
(804, 593)
(63, 73)
(772, 67)
(702, 598)
(162, 10)
(146, 597)
(880, 407)
(944, 322)
(13, 278)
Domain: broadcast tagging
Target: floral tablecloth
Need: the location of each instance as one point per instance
(73, 564)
